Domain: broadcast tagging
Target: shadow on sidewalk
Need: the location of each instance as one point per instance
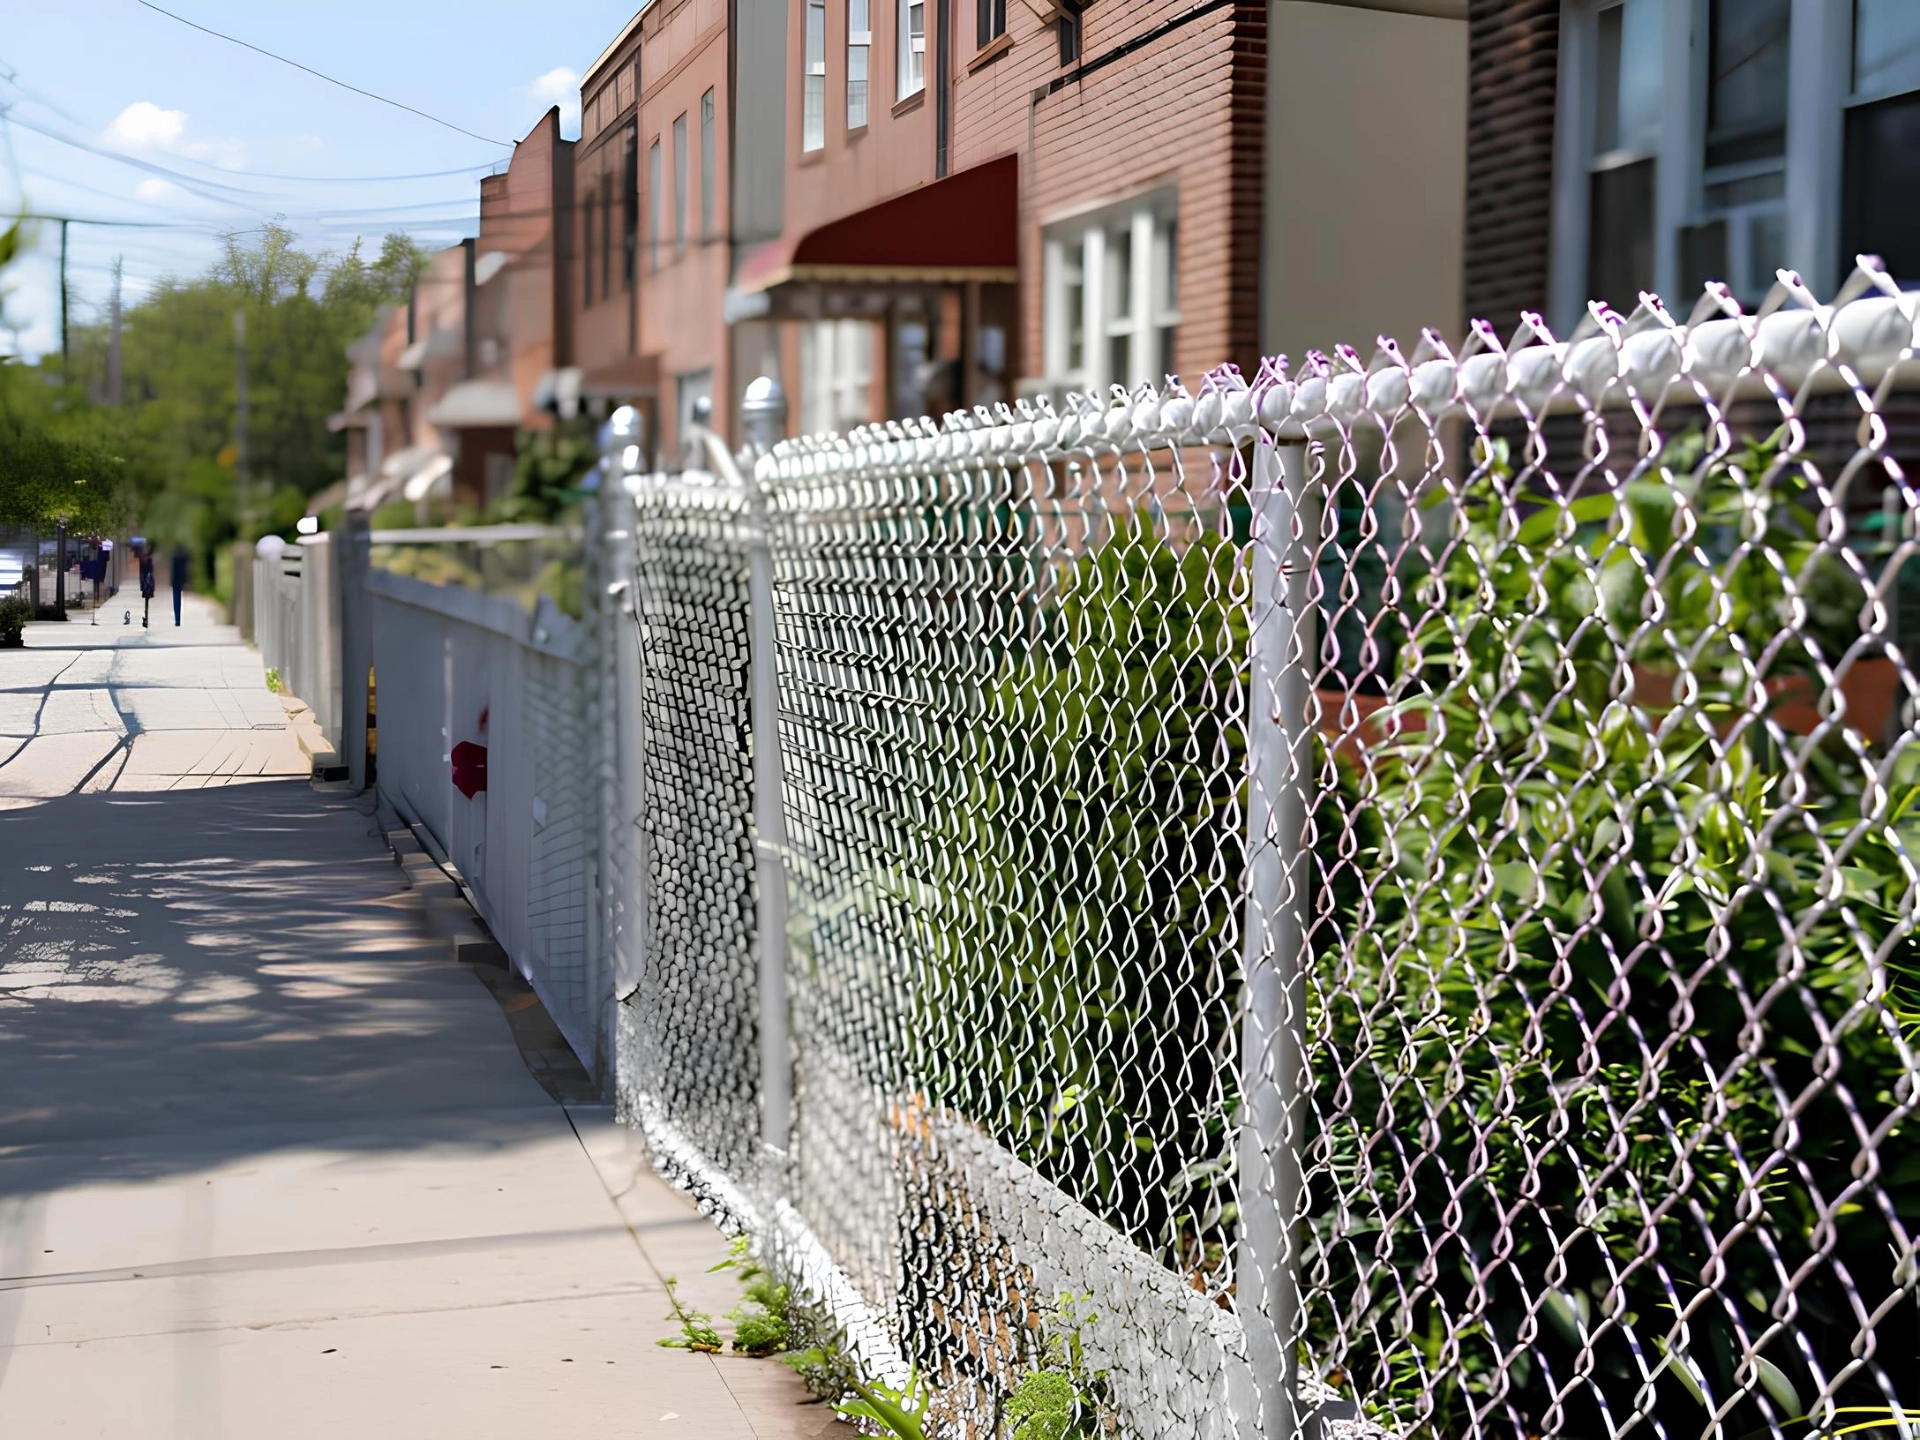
(191, 976)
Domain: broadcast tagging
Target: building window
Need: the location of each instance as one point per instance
(1069, 39)
(1881, 166)
(680, 181)
(836, 375)
(1112, 296)
(586, 251)
(813, 99)
(859, 45)
(708, 164)
(656, 183)
(1739, 234)
(693, 391)
(1622, 164)
(629, 204)
(910, 51)
(989, 20)
(606, 234)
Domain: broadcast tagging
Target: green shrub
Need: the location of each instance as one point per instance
(1603, 1010)
(15, 612)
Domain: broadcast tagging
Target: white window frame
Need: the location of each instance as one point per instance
(1819, 92)
(910, 52)
(1149, 221)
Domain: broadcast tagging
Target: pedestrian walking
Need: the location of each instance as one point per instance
(146, 584)
(179, 580)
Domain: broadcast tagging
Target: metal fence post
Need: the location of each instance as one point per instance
(1286, 518)
(623, 866)
(351, 564)
(763, 415)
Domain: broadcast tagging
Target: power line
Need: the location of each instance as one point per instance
(247, 45)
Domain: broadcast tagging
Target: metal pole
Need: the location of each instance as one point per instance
(1286, 526)
(351, 561)
(624, 862)
(763, 416)
(66, 356)
(242, 498)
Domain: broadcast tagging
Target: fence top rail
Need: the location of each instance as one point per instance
(473, 534)
(1791, 345)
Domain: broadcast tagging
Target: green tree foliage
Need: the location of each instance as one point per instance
(302, 308)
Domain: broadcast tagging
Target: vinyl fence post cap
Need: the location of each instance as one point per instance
(763, 411)
(269, 547)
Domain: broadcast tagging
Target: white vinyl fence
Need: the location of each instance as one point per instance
(296, 624)
(455, 665)
(1374, 898)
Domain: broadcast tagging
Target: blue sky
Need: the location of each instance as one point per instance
(207, 122)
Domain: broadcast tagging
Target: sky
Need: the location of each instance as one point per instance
(111, 111)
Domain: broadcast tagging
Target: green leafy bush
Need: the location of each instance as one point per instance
(15, 612)
(1610, 1017)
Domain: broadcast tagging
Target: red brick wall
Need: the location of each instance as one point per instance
(1184, 110)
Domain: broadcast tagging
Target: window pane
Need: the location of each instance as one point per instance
(708, 163)
(1117, 283)
(1886, 47)
(680, 180)
(1069, 39)
(1620, 235)
(1073, 307)
(1878, 213)
(910, 46)
(629, 204)
(655, 199)
(1118, 360)
(856, 85)
(1627, 78)
(586, 252)
(1746, 80)
(813, 100)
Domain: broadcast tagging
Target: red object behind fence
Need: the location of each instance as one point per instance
(469, 768)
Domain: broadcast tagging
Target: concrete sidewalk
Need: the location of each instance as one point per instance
(110, 706)
(270, 1163)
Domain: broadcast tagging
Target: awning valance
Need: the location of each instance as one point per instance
(962, 228)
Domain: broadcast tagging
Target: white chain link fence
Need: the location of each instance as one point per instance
(1388, 886)
(1377, 898)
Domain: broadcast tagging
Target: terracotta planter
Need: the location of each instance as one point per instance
(1871, 689)
(1366, 727)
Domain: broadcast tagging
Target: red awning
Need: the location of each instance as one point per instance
(961, 228)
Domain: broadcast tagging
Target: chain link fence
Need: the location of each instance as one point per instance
(1378, 899)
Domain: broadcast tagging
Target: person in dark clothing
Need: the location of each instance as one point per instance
(179, 580)
(146, 585)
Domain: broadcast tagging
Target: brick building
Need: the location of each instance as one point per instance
(903, 206)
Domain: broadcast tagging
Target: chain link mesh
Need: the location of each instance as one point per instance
(1382, 894)
(686, 1031)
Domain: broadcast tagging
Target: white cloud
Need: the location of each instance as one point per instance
(154, 188)
(144, 125)
(312, 144)
(561, 86)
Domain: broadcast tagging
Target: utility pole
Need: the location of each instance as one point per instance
(240, 478)
(64, 351)
(113, 339)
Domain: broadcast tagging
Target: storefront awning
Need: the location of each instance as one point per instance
(959, 229)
